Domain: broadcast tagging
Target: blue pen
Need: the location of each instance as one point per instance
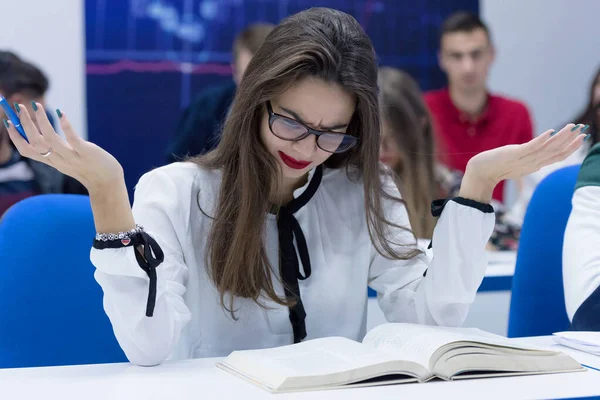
(12, 116)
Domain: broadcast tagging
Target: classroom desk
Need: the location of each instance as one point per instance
(200, 379)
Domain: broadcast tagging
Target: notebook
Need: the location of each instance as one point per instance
(390, 354)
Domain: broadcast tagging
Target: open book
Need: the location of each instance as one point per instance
(393, 353)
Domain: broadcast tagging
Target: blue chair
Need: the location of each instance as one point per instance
(537, 305)
(51, 309)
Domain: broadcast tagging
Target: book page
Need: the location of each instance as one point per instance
(418, 343)
(316, 357)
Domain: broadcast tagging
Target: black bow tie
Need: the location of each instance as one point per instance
(289, 228)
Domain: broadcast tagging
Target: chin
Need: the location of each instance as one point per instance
(291, 173)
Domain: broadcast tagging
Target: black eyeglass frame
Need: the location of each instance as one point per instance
(273, 116)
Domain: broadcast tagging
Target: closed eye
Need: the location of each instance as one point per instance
(290, 123)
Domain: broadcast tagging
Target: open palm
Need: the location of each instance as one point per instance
(515, 161)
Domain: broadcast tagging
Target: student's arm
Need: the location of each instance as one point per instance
(444, 294)
(145, 340)
(437, 292)
(148, 340)
(581, 252)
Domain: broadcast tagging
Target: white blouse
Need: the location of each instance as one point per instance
(188, 319)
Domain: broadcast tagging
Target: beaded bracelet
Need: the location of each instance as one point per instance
(106, 237)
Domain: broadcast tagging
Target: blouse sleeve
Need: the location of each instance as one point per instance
(148, 340)
(440, 291)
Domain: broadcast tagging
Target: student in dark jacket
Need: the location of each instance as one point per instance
(20, 177)
(200, 126)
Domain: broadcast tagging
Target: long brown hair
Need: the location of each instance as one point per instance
(589, 115)
(405, 112)
(318, 42)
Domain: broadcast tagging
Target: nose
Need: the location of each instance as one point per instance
(382, 149)
(468, 64)
(306, 147)
(383, 153)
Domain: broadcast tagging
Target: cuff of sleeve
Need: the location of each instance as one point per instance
(437, 206)
(153, 256)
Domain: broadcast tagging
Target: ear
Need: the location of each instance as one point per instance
(441, 60)
(492, 53)
(234, 74)
(17, 98)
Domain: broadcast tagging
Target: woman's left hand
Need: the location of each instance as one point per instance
(487, 169)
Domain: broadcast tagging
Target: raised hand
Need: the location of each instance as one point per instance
(487, 169)
(89, 164)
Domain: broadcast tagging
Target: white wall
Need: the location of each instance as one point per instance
(547, 53)
(50, 34)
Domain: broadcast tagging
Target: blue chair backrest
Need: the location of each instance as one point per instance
(51, 309)
(537, 305)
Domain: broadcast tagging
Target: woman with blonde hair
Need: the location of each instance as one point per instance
(408, 146)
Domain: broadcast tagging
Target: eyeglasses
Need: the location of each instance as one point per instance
(289, 129)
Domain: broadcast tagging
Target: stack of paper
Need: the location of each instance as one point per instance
(584, 341)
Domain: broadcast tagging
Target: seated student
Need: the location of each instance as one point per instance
(20, 177)
(274, 236)
(591, 114)
(7, 58)
(408, 147)
(468, 118)
(581, 251)
(200, 126)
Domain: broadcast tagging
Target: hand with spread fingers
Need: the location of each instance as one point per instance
(89, 164)
(485, 170)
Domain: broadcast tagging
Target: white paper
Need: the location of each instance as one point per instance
(588, 342)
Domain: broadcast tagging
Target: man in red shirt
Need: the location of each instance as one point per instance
(468, 119)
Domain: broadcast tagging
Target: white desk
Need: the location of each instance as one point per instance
(200, 379)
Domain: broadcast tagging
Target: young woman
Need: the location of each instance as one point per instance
(408, 146)
(273, 237)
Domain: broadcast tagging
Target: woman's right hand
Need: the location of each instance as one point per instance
(95, 168)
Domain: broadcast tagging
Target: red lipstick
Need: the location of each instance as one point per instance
(292, 162)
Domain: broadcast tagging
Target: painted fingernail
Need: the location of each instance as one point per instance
(586, 137)
(5, 122)
(59, 113)
(554, 132)
(585, 128)
(575, 128)
(34, 105)
(17, 107)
